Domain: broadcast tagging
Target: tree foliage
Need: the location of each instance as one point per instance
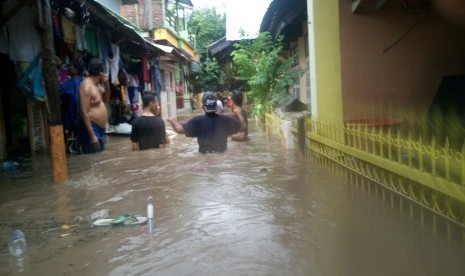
(208, 26)
(210, 75)
(229, 77)
(269, 75)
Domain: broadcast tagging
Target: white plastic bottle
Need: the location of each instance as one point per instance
(150, 214)
(150, 207)
(17, 242)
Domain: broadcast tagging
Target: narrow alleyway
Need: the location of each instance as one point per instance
(255, 210)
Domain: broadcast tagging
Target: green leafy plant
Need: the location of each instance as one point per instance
(268, 73)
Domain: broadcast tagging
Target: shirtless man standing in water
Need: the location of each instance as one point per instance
(94, 92)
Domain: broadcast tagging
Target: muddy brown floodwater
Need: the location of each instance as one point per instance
(255, 210)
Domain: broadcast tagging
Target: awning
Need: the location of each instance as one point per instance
(164, 48)
(170, 50)
(128, 30)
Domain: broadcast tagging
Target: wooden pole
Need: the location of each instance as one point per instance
(58, 154)
(53, 100)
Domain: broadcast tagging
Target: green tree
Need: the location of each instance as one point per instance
(269, 75)
(210, 75)
(229, 77)
(208, 26)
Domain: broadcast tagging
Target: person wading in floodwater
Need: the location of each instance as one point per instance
(148, 130)
(237, 100)
(94, 92)
(211, 129)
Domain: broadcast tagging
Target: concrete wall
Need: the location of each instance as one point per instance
(324, 58)
(379, 78)
(304, 65)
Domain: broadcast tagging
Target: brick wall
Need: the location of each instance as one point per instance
(129, 12)
(158, 13)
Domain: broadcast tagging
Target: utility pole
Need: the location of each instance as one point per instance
(52, 93)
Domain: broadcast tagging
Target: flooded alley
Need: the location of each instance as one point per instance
(255, 210)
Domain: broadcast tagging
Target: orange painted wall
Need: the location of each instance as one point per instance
(377, 82)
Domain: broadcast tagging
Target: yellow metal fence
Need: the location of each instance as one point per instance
(425, 174)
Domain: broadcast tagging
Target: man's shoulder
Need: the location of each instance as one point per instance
(149, 118)
(144, 120)
(226, 117)
(136, 121)
(199, 118)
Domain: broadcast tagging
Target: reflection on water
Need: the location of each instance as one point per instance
(255, 210)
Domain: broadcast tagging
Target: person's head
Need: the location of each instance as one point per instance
(237, 98)
(209, 102)
(150, 101)
(95, 69)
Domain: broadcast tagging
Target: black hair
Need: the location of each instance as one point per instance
(95, 68)
(237, 98)
(147, 98)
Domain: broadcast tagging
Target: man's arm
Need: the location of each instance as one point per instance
(176, 126)
(106, 88)
(240, 136)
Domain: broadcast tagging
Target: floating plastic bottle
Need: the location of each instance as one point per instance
(17, 243)
(150, 214)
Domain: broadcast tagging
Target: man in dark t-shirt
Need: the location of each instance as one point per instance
(148, 130)
(212, 130)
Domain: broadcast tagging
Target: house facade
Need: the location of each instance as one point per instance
(372, 60)
(386, 99)
(166, 22)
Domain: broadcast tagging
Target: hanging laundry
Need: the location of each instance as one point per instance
(157, 79)
(113, 64)
(22, 36)
(69, 35)
(80, 38)
(104, 42)
(91, 42)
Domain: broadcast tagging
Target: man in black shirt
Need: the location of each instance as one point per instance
(212, 130)
(148, 130)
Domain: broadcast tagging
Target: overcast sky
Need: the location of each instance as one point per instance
(245, 14)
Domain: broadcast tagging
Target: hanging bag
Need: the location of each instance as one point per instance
(31, 82)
